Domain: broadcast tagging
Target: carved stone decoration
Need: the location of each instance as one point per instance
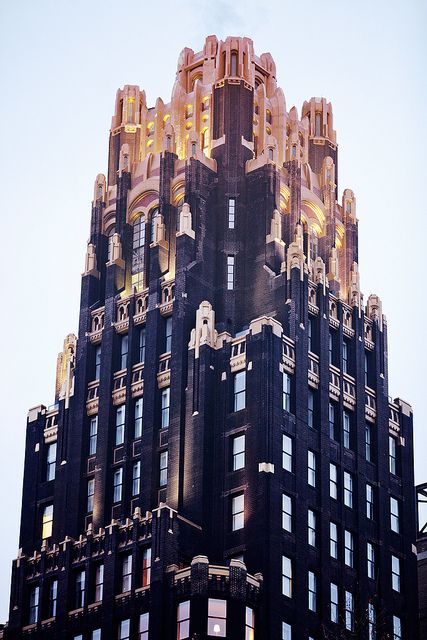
(116, 251)
(275, 228)
(185, 222)
(374, 309)
(159, 231)
(169, 138)
(90, 261)
(204, 332)
(64, 385)
(333, 273)
(319, 271)
(354, 295)
(99, 188)
(124, 163)
(295, 255)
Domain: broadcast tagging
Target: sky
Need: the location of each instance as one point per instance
(61, 63)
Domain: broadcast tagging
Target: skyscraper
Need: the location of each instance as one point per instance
(222, 458)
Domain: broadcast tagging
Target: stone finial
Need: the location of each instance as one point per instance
(185, 222)
(90, 261)
(99, 188)
(116, 251)
(374, 309)
(204, 332)
(275, 227)
(354, 296)
(64, 384)
(333, 273)
(295, 255)
(319, 271)
(169, 138)
(124, 162)
(159, 231)
(349, 205)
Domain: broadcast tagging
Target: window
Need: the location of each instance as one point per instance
(233, 70)
(346, 429)
(395, 573)
(124, 630)
(168, 335)
(318, 124)
(96, 634)
(231, 212)
(287, 453)
(47, 521)
(348, 548)
(287, 576)
(345, 356)
(348, 490)
(349, 611)
(154, 214)
(397, 628)
(183, 620)
(111, 232)
(230, 273)
(370, 553)
(80, 588)
(369, 501)
(142, 345)
(53, 597)
(286, 391)
(93, 435)
(239, 390)
(50, 461)
(144, 621)
(139, 405)
(310, 415)
(334, 603)
(286, 512)
(136, 478)
(331, 348)
(312, 591)
(286, 631)
(117, 484)
(394, 515)
(392, 454)
(333, 481)
(333, 540)
(366, 369)
(126, 573)
(138, 244)
(311, 528)
(237, 511)
(165, 407)
(90, 494)
(311, 470)
(310, 334)
(34, 605)
(120, 424)
(97, 362)
(249, 624)
(372, 619)
(238, 452)
(163, 468)
(146, 567)
(99, 582)
(124, 346)
(368, 442)
(217, 617)
(332, 421)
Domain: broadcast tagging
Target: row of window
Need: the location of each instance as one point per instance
(347, 619)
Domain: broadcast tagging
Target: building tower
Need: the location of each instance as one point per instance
(222, 458)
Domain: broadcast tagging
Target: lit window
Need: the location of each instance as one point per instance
(311, 528)
(163, 469)
(312, 591)
(369, 501)
(99, 582)
(287, 576)
(124, 630)
(136, 478)
(53, 597)
(348, 548)
(138, 245)
(127, 573)
(96, 634)
(370, 553)
(217, 617)
(165, 407)
(392, 455)
(333, 481)
(334, 603)
(238, 452)
(80, 588)
(372, 620)
(237, 512)
(348, 490)
(51, 461)
(286, 391)
(93, 435)
(286, 631)
(333, 540)
(397, 628)
(183, 620)
(395, 573)
(287, 453)
(349, 611)
(286, 512)
(144, 621)
(139, 405)
(146, 567)
(231, 212)
(368, 442)
(168, 334)
(142, 345)
(230, 273)
(310, 416)
(33, 616)
(124, 347)
(117, 485)
(120, 424)
(394, 515)
(90, 494)
(239, 391)
(332, 421)
(345, 357)
(97, 362)
(346, 430)
(249, 624)
(47, 521)
(311, 469)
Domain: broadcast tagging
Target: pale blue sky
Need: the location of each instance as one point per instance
(60, 65)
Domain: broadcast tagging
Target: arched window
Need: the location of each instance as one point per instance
(154, 215)
(110, 234)
(270, 153)
(268, 116)
(205, 140)
(233, 70)
(188, 110)
(138, 244)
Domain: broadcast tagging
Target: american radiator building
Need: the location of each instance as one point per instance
(222, 458)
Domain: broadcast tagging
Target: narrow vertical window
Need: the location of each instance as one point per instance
(287, 576)
(124, 630)
(370, 554)
(217, 617)
(168, 335)
(332, 421)
(138, 245)
(348, 548)
(97, 362)
(346, 429)
(90, 494)
(144, 622)
(111, 232)
(331, 348)
(287, 512)
(154, 214)
(165, 407)
(33, 616)
(286, 631)
(183, 620)
(146, 567)
(80, 589)
(366, 369)
(127, 573)
(287, 453)
(334, 602)
(93, 435)
(249, 624)
(394, 515)
(47, 521)
(397, 628)
(163, 469)
(231, 212)
(333, 540)
(230, 273)
(333, 481)
(99, 582)
(238, 452)
(120, 424)
(395, 573)
(345, 356)
(392, 455)
(348, 490)
(369, 501)
(318, 124)
(239, 390)
(368, 442)
(96, 634)
(310, 415)
(237, 512)
(372, 622)
(117, 485)
(50, 462)
(311, 528)
(349, 611)
(312, 591)
(139, 405)
(286, 391)
(142, 345)
(233, 66)
(136, 478)
(53, 598)
(311, 468)
(310, 333)
(124, 347)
